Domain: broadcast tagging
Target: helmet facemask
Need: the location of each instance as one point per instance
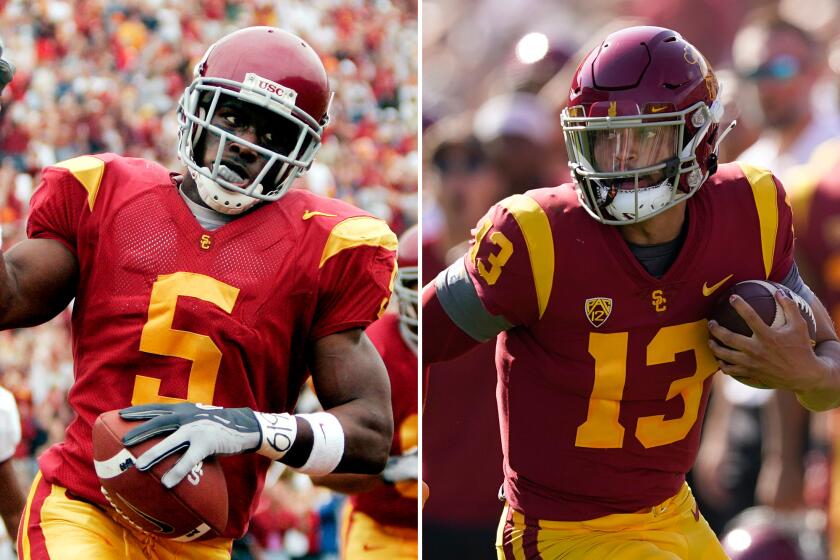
(630, 165)
(196, 110)
(408, 299)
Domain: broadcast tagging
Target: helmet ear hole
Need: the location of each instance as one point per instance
(712, 163)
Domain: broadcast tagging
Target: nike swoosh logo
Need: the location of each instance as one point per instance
(658, 109)
(709, 290)
(307, 214)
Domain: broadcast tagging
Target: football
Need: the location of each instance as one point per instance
(760, 295)
(195, 509)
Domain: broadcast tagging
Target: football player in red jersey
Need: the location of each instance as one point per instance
(202, 300)
(380, 519)
(599, 293)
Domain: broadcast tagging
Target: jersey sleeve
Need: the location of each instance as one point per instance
(783, 246)
(511, 260)
(775, 221)
(357, 271)
(64, 197)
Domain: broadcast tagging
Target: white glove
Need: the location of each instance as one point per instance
(200, 429)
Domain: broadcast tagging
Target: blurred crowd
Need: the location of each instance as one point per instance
(491, 104)
(105, 76)
(98, 75)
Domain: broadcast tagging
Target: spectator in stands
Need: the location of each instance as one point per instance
(461, 514)
(781, 63)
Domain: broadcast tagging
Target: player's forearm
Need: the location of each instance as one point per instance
(352, 384)
(349, 438)
(368, 431)
(823, 393)
(820, 378)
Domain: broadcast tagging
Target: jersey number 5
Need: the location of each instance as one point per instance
(160, 338)
(602, 429)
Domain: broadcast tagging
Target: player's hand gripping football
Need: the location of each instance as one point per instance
(200, 429)
(779, 357)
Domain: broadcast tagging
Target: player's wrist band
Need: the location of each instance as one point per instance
(279, 432)
(327, 443)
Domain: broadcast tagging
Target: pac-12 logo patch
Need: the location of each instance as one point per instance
(598, 310)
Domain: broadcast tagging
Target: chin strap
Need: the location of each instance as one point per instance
(723, 134)
(712, 161)
(219, 198)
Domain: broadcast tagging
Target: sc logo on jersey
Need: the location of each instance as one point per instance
(598, 310)
(658, 301)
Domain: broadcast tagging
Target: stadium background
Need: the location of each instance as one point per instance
(101, 75)
(104, 75)
(495, 78)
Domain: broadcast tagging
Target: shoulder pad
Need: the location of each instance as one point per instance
(88, 170)
(356, 231)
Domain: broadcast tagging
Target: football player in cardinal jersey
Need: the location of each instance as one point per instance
(380, 519)
(220, 286)
(599, 292)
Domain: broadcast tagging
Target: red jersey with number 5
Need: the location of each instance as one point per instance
(167, 311)
(605, 373)
(397, 504)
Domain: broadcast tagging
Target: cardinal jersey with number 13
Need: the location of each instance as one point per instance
(167, 311)
(605, 374)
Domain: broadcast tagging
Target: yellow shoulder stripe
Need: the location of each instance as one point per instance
(764, 193)
(356, 231)
(537, 232)
(88, 171)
